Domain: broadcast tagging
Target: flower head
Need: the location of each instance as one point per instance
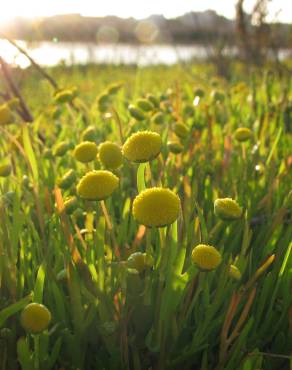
(35, 318)
(234, 272)
(5, 169)
(206, 257)
(85, 152)
(153, 100)
(61, 148)
(70, 205)
(136, 113)
(110, 155)
(6, 116)
(65, 95)
(227, 209)
(145, 105)
(181, 130)
(158, 118)
(243, 134)
(67, 180)
(143, 146)
(89, 134)
(156, 207)
(97, 185)
(139, 261)
(175, 147)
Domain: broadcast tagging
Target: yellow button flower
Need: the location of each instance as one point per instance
(156, 207)
(97, 185)
(110, 155)
(206, 257)
(142, 146)
(243, 134)
(227, 209)
(35, 318)
(85, 152)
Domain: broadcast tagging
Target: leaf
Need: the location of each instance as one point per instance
(13, 309)
(39, 285)
(24, 355)
(30, 153)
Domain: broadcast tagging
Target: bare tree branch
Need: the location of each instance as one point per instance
(25, 112)
(32, 61)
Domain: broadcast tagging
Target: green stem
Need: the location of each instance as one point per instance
(36, 340)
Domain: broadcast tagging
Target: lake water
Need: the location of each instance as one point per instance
(53, 53)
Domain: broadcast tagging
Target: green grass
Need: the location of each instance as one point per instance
(170, 316)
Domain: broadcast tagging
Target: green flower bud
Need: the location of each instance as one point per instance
(89, 134)
(61, 148)
(5, 169)
(153, 100)
(181, 130)
(175, 147)
(234, 272)
(65, 96)
(158, 118)
(67, 180)
(70, 205)
(139, 261)
(114, 88)
(103, 99)
(136, 113)
(144, 105)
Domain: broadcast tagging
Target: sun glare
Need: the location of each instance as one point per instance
(128, 8)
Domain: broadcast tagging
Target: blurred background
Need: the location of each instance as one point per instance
(145, 33)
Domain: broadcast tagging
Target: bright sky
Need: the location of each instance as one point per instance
(135, 8)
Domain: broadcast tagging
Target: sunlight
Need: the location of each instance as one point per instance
(131, 8)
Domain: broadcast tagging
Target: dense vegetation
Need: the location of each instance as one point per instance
(164, 307)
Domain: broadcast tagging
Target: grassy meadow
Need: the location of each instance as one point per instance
(110, 292)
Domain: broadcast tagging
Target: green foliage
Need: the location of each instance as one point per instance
(72, 255)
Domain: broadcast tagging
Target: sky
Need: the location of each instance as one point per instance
(135, 8)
